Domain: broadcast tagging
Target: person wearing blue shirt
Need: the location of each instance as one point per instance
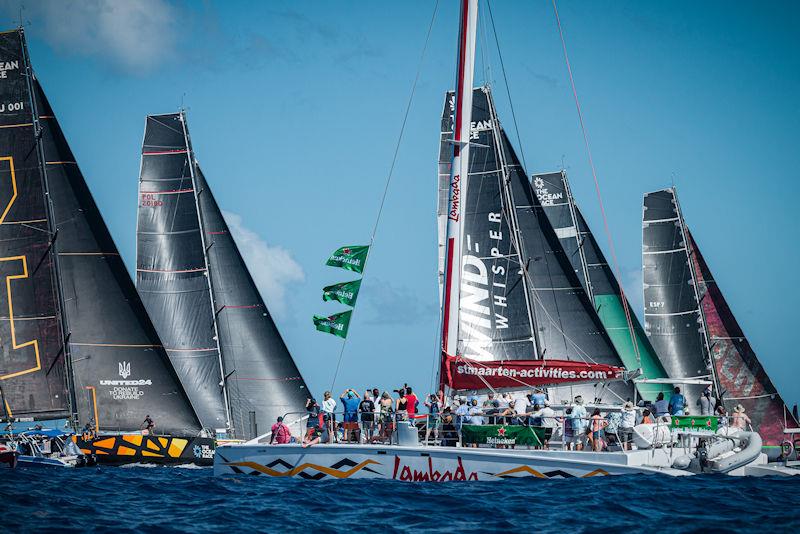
(677, 402)
(350, 400)
(538, 397)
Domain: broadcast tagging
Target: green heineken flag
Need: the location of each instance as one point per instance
(504, 435)
(345, 292)
(337, 324)
(350, 258)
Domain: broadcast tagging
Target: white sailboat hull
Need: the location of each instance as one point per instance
(431, 464)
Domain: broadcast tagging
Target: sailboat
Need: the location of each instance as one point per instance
(217, 330)
(519, 300)
(694, 330)
(77, 344)
(598, 280)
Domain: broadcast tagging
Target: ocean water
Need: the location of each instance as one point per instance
(136, 499)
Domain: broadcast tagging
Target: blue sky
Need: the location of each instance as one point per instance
(295, 107)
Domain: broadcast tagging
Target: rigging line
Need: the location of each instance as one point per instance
(597, 187)
(508, 89)
(391, 168)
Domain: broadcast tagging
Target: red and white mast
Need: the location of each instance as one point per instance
(458, 176)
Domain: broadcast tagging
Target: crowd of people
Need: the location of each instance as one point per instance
(373, 416)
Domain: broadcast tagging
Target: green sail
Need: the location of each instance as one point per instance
(336, 324)
(344, 292)
(351, 258)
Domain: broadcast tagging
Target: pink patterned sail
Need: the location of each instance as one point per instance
(742, 378)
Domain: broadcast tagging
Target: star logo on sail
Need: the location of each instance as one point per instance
(124, 369)
(538, 183)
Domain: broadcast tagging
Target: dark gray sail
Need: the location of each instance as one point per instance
(201, 296)
(32, 365)
(567, 324)
(171, 270)
(672, 313)
(262, 378)
(494, 322)
(598, 279)
(120, 372)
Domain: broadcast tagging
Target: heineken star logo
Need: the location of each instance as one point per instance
(345, 251)
(501, 431)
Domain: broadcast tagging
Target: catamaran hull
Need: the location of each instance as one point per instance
(423, 464)
(136, 448)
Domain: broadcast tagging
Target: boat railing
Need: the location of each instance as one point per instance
(557, 431)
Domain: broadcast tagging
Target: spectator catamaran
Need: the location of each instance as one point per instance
(515, 315)
(78, 348)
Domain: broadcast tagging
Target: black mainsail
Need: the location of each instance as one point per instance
(598, 279)
(171, 270)
(92, 323)
(673, 317)
(688, 315)
(520, 299)
(261, 379)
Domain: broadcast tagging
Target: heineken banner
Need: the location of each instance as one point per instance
(463, 373)
(336, 324)
(350, 258)
(503, 435)
(695, 422)
(345, 292)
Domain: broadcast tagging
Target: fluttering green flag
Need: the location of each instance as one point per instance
(345, 292)
(336, 324)
(350, 258)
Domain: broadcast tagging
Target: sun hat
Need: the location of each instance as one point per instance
(628, 405)
(739, 408)
(546, 402)
(578, 399)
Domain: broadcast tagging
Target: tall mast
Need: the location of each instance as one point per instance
(579, 237)
(52, 230)
(459, 170)
(223, 384)
(703, 324)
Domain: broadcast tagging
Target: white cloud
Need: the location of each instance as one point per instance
(136, 35)
(273, 268)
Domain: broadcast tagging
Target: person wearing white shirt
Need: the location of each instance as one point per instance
(626, 425)
(328, 407)
(549, 422)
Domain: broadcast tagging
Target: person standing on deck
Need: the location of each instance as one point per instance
(677, 402)
(366, 411)
(350, 401)
(739, 420)
(434, 419)
(147, 426)
(579, 422)
(706, 403)
(549, 422)
(626, 425)
(413, 402)
(328, 409)
(661, 406)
